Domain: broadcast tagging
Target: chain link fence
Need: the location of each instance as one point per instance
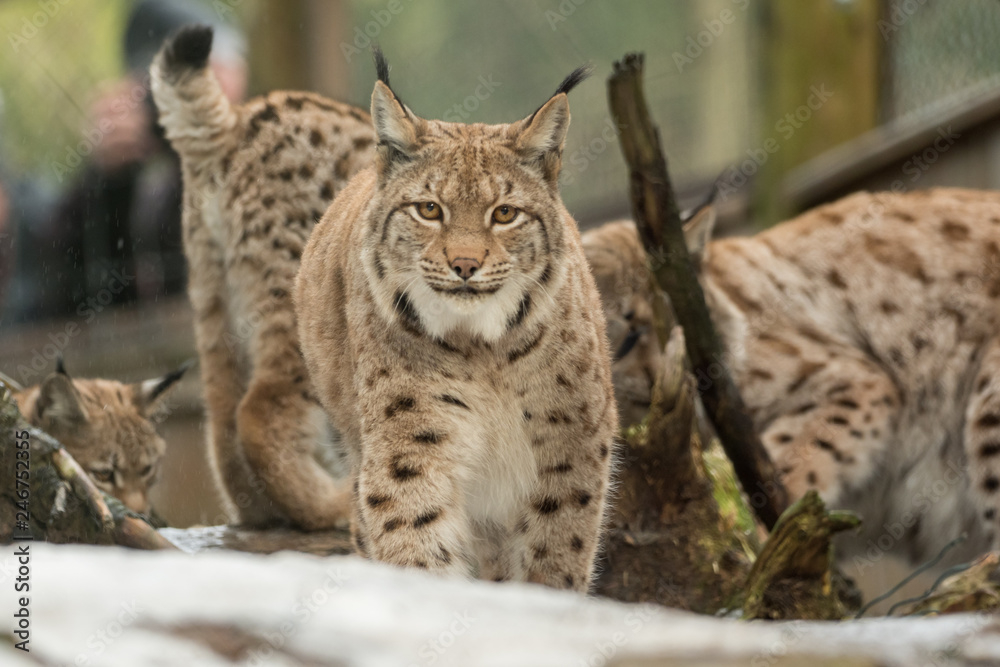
(936, 48)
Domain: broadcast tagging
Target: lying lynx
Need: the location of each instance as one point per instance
(864, 338)
(256, 179)
(455, 335)
(618, 262)
(106, 426)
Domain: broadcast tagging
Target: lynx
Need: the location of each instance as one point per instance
(257, 177)
(618, 262)
(864, 338)
(107, 426)
(455, 335)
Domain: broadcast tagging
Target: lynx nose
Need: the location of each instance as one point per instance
(465, 267)
(135, 501)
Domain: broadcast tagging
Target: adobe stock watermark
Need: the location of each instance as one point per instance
(606, 649)
(100, 641)
(786, 127)
(899, 13)
(432, 650)
(461, 111)
(915, 167)
(43, 358)
(583, 156)
(30, 25)
(365, 36)
(93, 136)
(302, 611)
(921, 503)
(919, 163)
(791, 634)
(944, 656)
(226, 9)
(698, 44)
(564, 10)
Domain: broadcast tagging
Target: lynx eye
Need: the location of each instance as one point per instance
(428, 210)
(504, 214)
(146, 471)
(102, 475)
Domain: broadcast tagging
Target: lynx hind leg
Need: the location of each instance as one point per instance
(280, 426)
(982, 442)
(242, 498)
(832, 436)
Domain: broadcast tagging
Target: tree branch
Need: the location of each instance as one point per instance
(654, 207)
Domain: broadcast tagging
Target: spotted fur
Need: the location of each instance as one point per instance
(464, 359)
(864, 338)
(257, 177)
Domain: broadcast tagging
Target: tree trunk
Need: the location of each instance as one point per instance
(668, 542)
(654, 207)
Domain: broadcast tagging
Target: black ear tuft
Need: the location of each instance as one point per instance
(575, 77)
(381, 65)
(569, 83)
(188, 48)
(382, 70)
(61, 366)
(707, 200)
(168, 380)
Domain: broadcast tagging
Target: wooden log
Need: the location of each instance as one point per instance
(974, 588)
(794, 576)
(654, 207)
(668, 542)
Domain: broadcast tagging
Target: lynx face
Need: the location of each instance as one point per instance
(459, 244)
(107, 426)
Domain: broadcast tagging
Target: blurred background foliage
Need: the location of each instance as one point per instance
(49, 75)
(720, 73)
(497, 61)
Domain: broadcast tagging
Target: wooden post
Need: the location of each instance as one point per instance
(654, 207)
(279, 54)
(819, 87)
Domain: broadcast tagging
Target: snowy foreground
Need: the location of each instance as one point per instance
(111, 606)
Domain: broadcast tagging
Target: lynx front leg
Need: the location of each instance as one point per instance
(410, 490)
(563, 522)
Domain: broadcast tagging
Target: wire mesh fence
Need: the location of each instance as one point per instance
(936, 48)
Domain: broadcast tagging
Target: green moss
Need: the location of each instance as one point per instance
(732, 505)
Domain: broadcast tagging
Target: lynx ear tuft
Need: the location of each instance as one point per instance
(395, 125)
(146, 395)
(576, 77)
(381, 65)
(698, 232)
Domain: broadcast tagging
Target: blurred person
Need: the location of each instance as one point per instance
(119, 224)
